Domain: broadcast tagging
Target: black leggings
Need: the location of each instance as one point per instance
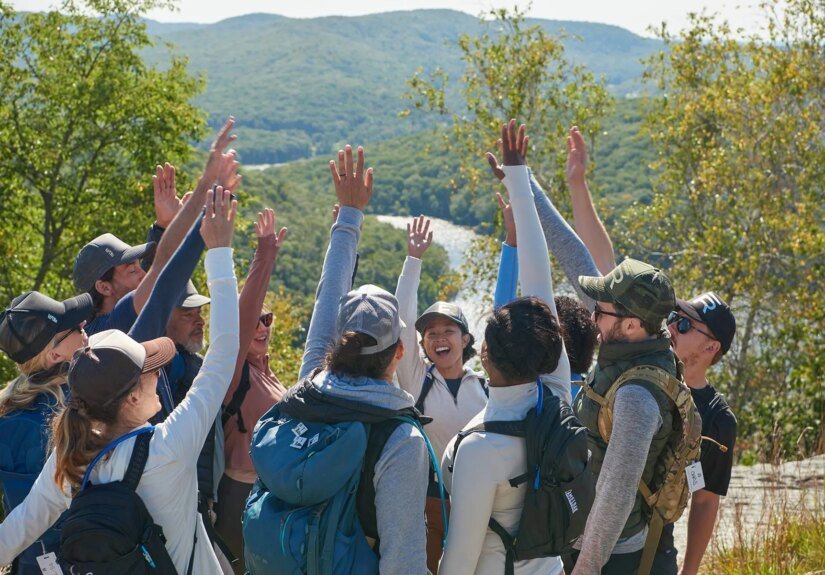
(229, 509)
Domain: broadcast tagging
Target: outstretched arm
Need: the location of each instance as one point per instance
(220, 168)
(588, 224)
(412, 369)
(534, 262)
(254, 289)
(353, 187)
(507, 281)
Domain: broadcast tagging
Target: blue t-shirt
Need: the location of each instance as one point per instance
(122, 317)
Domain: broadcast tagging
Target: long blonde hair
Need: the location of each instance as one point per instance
(22, 392)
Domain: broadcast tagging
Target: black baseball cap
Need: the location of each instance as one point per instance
(102, 254)
(33, 319)
(714, 312)
(443, 309)
(112, 363)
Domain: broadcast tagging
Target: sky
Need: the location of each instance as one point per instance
(634, 15)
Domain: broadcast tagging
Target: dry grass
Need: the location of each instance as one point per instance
(787, 538)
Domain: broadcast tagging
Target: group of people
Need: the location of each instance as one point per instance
(123, 356)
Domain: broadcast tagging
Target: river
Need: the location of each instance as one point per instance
(456, 240)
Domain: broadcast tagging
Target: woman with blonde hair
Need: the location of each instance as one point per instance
(40, 335)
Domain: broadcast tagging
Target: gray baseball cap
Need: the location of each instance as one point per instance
(373, 311)
(442, 309)
(191, 298)
(102, 254)
(112, 363)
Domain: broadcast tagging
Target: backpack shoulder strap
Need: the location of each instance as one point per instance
(109, 448)
(137, 462)
(656, 376)
(234, 406)
(378, 434)
(429, 380)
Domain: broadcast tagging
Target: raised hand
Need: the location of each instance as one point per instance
(167, 203)
(218, 225)
(509, 221)
(576, 167)
(265, 227)
(514, 144)
(419, 237)
(353, 186)
(221, 165)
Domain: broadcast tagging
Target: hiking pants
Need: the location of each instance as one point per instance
(435, 532)
(229, 509)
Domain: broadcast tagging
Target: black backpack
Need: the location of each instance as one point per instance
(109, 531)
(561, 487)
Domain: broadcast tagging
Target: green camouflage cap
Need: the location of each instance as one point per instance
(644, 290)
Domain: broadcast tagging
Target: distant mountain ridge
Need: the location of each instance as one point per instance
(300, 87)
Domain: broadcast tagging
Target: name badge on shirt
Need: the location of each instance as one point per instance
(48, 564)
(695, 477)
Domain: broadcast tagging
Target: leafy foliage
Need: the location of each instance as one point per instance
(739, 205)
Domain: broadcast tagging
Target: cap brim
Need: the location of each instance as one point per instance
(595, 288)
(137, 252)
(77, 309)
(689, 310)
(422, 322)
(194, 300)
(159, 352)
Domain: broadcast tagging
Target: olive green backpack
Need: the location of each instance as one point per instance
(666, 504)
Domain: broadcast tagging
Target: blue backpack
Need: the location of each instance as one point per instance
(302, 516)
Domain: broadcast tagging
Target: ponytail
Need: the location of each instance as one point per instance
(78, 434)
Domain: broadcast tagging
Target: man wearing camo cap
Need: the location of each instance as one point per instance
(631, 303)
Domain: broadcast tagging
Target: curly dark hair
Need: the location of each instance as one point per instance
(523, 339)
(579, 331)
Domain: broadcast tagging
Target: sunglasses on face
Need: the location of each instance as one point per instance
(266, 319)
(78, 328)
(684, 325)
(597, 311)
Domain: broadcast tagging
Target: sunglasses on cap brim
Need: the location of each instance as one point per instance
(684, 325)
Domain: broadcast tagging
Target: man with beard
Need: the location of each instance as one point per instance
(701, 332)
(631, 302)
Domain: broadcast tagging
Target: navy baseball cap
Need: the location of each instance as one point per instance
(102, 254)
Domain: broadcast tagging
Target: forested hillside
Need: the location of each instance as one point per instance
(300, 87)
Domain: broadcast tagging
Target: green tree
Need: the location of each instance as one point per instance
(512, 70)
(84, 122)
(739, 205)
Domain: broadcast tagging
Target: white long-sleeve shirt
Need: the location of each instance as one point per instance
(169, 484)
(533, 258)
(450, 414)
(480, 488)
